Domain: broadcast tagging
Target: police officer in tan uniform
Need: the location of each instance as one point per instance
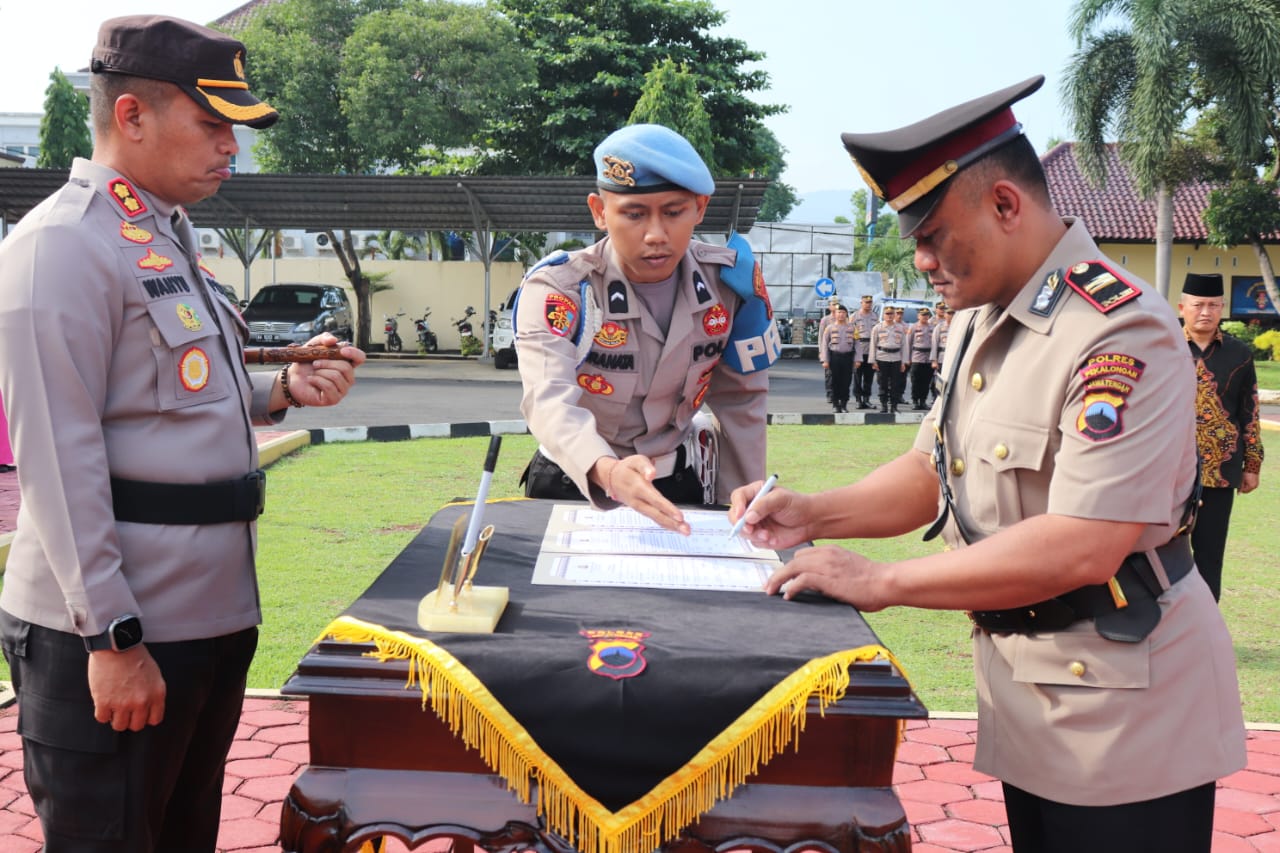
(837, 344)
(129, 610)
(888, 339)
(823, 324)
(864, 320)
(920, 342)
(620, 344)
(938, 350)
(1107, 696)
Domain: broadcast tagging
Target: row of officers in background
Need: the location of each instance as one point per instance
(855, 348)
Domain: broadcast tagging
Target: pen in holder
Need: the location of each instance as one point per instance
(457, 605)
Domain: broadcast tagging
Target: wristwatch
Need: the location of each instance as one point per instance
(123, 633)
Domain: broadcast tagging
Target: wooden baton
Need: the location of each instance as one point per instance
(287, 355)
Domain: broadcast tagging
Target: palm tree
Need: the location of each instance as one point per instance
(1142, 66)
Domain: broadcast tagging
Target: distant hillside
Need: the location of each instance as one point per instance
(822, 207)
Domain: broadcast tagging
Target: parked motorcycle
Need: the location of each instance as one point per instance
(470, 344)
(390, 327)
(426, 338)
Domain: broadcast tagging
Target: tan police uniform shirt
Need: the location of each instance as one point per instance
(839, 337)
(631, 389)
(888, 341)
(919, 342)
(118, 358)
(938, 351)
(864, 323)
(1087, 414)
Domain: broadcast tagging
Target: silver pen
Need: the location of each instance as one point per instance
(764, 490)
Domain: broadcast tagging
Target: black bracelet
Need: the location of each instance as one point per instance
(284, 386)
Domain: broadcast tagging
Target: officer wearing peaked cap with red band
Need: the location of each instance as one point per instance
(1061, 476)
(130, 609)
(620, 344)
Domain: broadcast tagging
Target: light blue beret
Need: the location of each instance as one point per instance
(650, 158)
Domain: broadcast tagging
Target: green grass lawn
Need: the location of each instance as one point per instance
(1268, 374)
(339, 513)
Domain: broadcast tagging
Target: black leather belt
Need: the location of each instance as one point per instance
(190, 503)
(887, 349)
(1138, 584)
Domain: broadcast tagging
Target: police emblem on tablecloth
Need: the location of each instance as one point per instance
(125, 196)
(193, 369)
(1101, 285)
(134, 234)
(152, 260)
(616, 654)
(716, 321)
(189, 318)
(561, 312)
(611, 335)
(594, 383)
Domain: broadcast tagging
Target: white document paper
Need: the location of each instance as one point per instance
(588, 547)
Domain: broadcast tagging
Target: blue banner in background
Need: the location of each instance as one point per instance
(1249, 298)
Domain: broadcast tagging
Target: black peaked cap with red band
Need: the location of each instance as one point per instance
(908, 168)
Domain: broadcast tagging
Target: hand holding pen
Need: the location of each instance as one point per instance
(779, 518)
(764, 490)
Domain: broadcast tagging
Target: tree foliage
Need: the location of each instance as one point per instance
(779, 199)
(1140, 69)
(591, 57)
(670, 98)
(64, 127)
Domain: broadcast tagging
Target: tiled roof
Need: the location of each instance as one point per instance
(1117, 213)
(238, 17)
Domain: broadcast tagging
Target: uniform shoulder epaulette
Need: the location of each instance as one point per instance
(738, 260)
(1101, 285)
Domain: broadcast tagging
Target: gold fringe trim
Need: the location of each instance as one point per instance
(470, 711)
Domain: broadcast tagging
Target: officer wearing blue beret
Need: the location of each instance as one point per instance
(621, 344)
(1058, 465)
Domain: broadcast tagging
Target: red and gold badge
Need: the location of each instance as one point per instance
(134, 234)
(153, 261)
(193, 369)
(616, 654)
(561, 312)
(716, 320)
(611, 335)
(124, 195)
(594, 383)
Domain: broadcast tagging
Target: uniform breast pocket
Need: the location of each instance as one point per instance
(1010, 458)
(1082, 658)
(187, 348)
(607, 393)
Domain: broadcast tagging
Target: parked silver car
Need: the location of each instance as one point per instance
(295, 313)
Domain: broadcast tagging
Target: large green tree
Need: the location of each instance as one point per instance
(377, 85)
(779, 199)
(591, 58)
(64, 127)
(1140, 69)
(670, 97)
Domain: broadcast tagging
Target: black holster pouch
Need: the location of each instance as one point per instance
(544, 479)
(1129, 624)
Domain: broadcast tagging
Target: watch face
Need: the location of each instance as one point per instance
(126, 632)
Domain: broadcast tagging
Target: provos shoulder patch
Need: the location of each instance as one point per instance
(1101, 285)
(616, 654)
(561, 312)
(1109, 379)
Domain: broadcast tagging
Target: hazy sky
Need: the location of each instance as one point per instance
(840, 65)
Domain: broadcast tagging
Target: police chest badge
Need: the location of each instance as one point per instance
(716, 321)
(134, 234)
(616, 654)
(189, 318)
(193, 369)
(611, 335)
(153, 260)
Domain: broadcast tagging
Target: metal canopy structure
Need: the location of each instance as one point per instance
(379, 202)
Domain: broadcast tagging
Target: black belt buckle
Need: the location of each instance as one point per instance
(258, 478)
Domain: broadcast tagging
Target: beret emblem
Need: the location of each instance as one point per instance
(619, 171)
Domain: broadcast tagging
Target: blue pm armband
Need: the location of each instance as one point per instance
(754, 343)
